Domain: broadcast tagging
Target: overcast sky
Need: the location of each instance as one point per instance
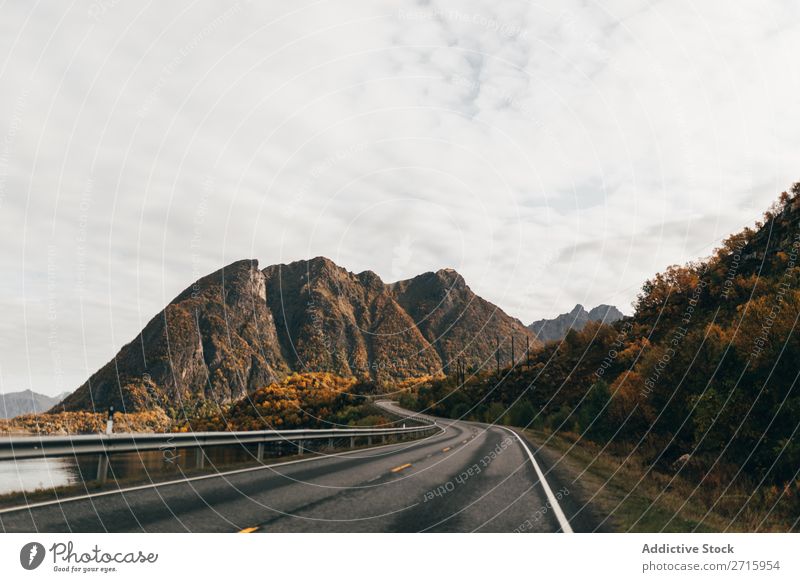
(552, 152)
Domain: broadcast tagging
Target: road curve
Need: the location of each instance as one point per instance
(469, 477)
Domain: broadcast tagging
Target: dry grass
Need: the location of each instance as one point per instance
(631, 498)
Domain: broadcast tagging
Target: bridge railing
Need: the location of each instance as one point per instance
(17, 448)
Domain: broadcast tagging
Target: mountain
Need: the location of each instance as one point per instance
(241, 328)
(605, 314)
(455, 321)
(557, 328)
(27, 402)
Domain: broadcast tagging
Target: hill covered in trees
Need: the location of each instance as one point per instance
(703, 375)
(309, 400)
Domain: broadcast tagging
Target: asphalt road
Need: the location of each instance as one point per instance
(470, 477)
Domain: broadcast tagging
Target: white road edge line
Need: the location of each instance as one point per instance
(201, 477)
(562, 519)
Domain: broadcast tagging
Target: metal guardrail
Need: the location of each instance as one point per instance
(38, 447)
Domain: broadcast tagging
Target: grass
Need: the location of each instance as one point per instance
(621, 490)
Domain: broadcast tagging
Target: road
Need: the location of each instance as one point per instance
(469, 477)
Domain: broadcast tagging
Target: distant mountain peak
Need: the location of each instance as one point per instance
(26, 402)
(605, 313)
(557, 328)
(370, 278)
(451, 277)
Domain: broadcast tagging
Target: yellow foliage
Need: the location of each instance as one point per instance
(155, 420)
(301, 400)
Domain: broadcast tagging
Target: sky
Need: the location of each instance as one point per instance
(553, 153)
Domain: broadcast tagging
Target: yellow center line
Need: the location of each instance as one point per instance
(444, 450)
(401, 467)
(249, 530)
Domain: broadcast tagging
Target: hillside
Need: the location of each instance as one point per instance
(241, 328)
(308, 400)
(705, 369)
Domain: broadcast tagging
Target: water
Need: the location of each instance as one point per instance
(32, 474)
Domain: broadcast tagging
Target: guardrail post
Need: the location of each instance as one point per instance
(352, 442)
(383, 438)
(299, 447)
(369, 440)
(199, 458)
(330, 443)
(260, 452)
(102, 468)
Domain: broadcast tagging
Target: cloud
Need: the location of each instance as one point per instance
(553, 153)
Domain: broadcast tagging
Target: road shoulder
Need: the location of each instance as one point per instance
(561, 473)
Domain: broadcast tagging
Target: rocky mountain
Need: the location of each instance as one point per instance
(242, 328)
(455, 321)
(27, 402)
(557, 328)
(605, 313)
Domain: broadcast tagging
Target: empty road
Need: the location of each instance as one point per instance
(469, 477)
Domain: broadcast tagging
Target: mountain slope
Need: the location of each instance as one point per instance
(329, 319)
(456, 322)
(557, 328)
(240, 329)
(705, 369)
(215, 340)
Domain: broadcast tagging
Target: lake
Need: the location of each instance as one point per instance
(32, 474)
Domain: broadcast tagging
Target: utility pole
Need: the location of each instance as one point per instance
(527, 351)
(497, 353)
(513, 356)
